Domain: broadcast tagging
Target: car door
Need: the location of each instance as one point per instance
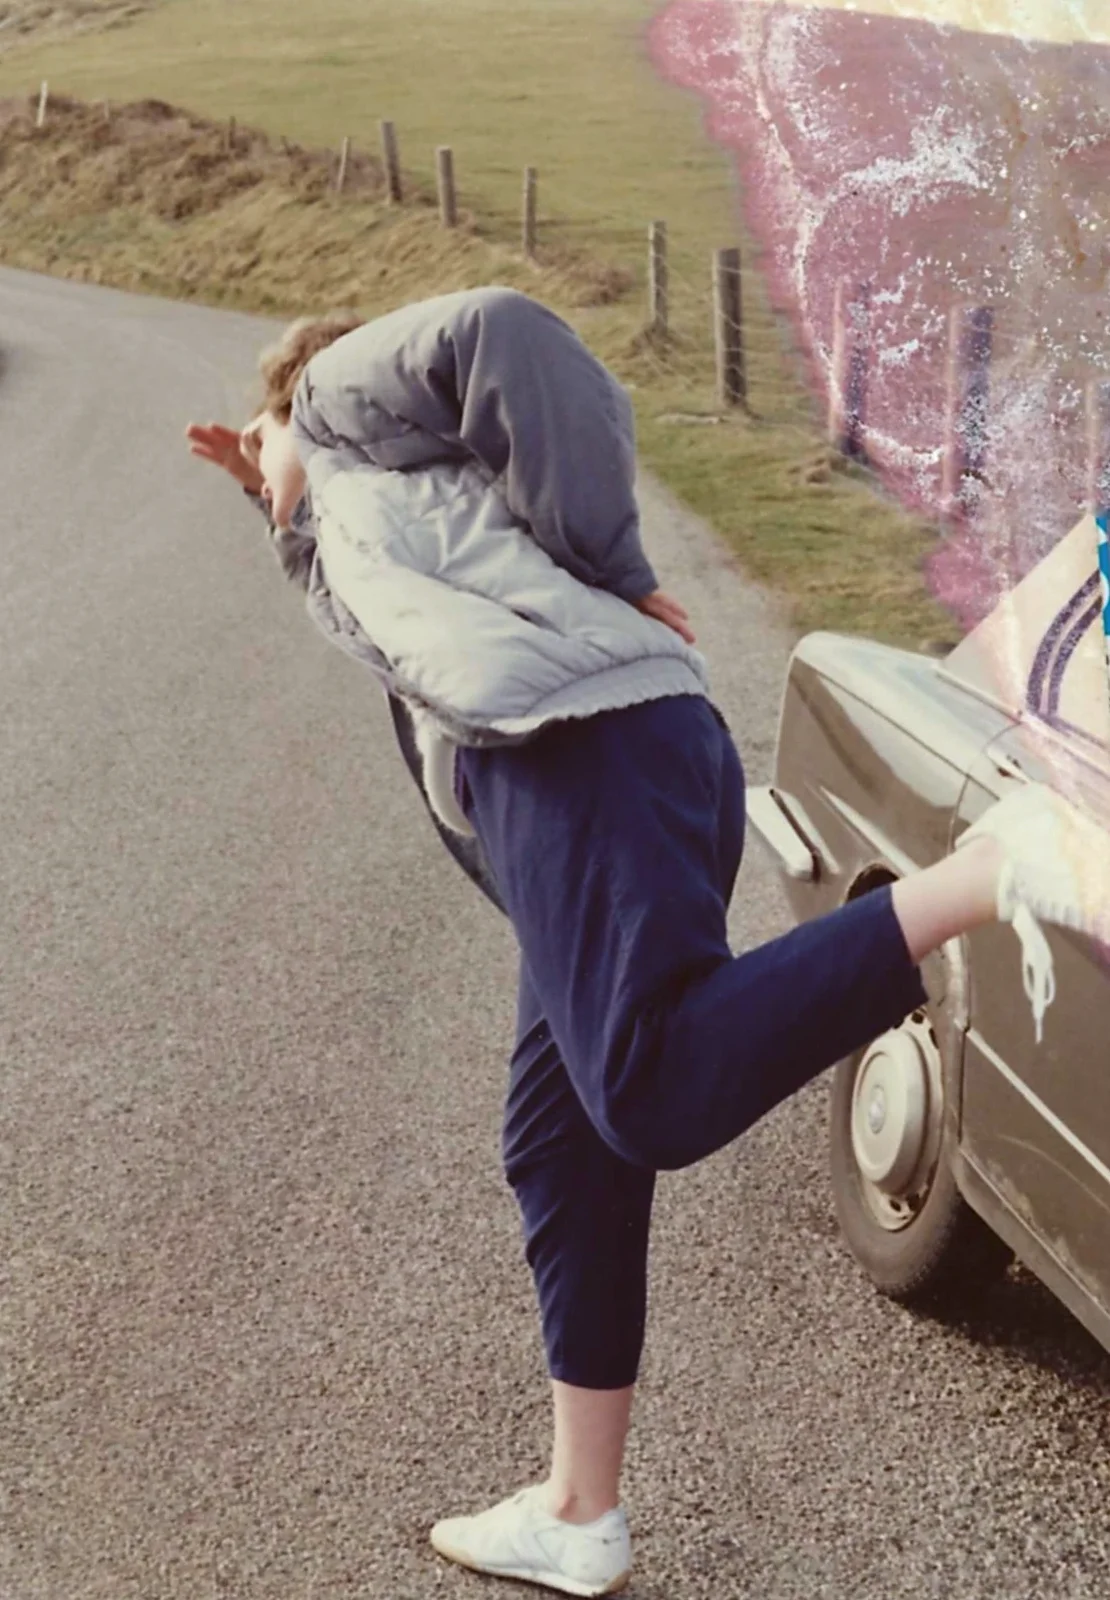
(1035, 1119)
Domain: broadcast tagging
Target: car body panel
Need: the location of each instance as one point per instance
(875, 744)
(884, 758)
(1035, 1119)
(874, 747)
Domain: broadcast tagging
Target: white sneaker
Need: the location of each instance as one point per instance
(519, 1539)
(1056, 869)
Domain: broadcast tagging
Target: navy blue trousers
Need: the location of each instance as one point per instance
(643, 1043)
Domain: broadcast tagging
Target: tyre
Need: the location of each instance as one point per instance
(899, 1208)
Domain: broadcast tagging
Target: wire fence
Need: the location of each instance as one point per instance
(714, 341)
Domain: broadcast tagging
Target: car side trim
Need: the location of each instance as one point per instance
(796, 813)
(777, 830)
(1043, 1111)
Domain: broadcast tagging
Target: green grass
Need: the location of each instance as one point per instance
(565, 86)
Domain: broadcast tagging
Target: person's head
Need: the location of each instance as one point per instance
(268, 439)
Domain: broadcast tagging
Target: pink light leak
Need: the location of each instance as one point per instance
(946, 167)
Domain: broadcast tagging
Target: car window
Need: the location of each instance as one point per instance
(1041, 653)
(1069, 684)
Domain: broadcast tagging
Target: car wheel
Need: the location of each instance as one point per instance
(899, 1208)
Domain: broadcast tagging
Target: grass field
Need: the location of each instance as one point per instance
(559, 84)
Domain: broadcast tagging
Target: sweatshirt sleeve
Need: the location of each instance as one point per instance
(497, 377)
(295, 546)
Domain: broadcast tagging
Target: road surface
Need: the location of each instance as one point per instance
(264, 1313)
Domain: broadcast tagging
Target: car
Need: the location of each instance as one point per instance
(956, 1140)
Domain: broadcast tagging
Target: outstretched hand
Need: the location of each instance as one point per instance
(222, 446)
(664, 609)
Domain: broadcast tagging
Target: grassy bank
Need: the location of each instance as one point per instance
(560, 84)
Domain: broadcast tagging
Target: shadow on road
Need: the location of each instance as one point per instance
(1018, 1314)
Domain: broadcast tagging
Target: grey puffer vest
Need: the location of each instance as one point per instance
(471, 472)
(471, 476)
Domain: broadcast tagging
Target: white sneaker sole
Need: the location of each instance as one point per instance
(519, 1575)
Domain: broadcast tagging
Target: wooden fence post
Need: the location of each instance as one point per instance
(44, 95)
(445, 178)
(392, 163)
(341, 175)
(732, 381)
(971, 345)
(1098, 444)
(849, 377)
(529, 224)
(658, 287)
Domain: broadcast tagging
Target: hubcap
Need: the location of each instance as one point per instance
(876, 1111)
(896, 1120)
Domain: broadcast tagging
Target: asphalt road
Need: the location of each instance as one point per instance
(263, 1309)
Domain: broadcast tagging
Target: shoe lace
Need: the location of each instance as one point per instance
(1037, 966)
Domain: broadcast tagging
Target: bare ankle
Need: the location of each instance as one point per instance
(985, 857)
(955, 895)
(558, 1500)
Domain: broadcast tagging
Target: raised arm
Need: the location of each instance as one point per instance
(294, 546)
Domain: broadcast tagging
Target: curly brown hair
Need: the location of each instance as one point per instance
(282, 363)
